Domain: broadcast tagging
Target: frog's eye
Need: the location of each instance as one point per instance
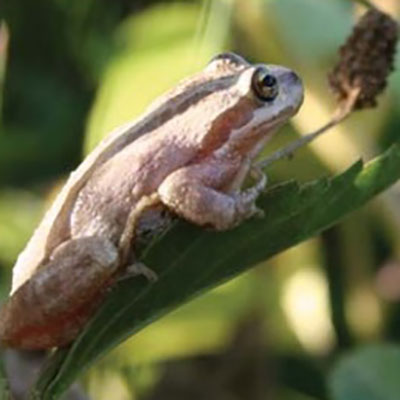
(264, 84)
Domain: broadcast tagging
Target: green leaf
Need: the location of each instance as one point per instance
(371, 373)
(190, 260)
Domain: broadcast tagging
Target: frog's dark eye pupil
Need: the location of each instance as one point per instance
(269, 80)
(265, 85)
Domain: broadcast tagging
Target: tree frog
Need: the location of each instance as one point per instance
(189, 153)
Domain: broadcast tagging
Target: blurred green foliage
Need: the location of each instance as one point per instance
(140, 69)
(76, 69)
(369, 373)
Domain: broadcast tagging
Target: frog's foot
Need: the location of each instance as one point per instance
(138, 269)
(190, 194)
(245, 199)
(246, 209)
(260, 178)
(245, 205)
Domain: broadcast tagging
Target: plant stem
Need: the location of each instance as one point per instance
(341, 113)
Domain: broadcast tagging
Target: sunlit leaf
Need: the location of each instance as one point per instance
(190, 260)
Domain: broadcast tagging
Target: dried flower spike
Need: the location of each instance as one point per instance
(366, 59)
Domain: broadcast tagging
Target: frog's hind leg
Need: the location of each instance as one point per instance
(127, 256)
(129, 232)
(138, 268)
(50, 308)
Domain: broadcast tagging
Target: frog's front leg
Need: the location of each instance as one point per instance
(193, 193)
(51, 307)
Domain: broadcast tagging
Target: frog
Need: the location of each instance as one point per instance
(189, 154)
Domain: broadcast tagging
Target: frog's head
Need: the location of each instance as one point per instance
(264, 97)
(275, 88)
(231, 106)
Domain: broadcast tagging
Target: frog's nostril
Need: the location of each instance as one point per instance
(290, 78)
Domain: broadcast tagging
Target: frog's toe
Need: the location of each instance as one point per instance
(260, 177)
(139, 269)
(259, 213)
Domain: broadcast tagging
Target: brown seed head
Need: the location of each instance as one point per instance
(366, 59)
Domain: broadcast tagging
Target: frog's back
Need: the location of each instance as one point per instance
(55, 226)
(104, 203)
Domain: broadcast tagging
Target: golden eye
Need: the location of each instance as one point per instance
(264, 84)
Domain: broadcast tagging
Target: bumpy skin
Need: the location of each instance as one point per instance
(190, 152)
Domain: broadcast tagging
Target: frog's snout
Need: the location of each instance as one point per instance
(292, 89)
(291, 78)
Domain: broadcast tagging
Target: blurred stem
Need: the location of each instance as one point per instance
(216, 18)
(342, 111)
(335, 272)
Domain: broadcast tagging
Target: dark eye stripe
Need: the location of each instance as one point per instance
(188, 95)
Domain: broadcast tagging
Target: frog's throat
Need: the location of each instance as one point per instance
(248, 140)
